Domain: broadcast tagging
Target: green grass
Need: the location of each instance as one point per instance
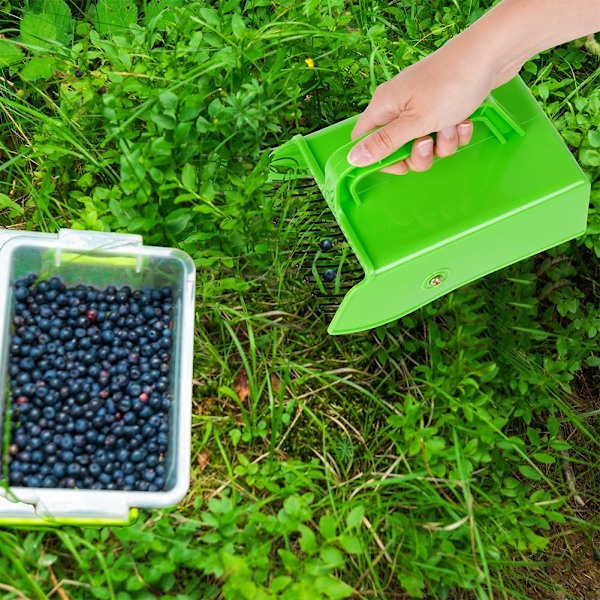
(446, 455)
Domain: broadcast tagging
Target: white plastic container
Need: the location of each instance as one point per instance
(101, 259)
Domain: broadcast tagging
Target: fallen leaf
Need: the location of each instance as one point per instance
(203, 459)
(241, 386)
(275, 382)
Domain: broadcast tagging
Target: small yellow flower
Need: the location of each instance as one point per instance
(310, 63)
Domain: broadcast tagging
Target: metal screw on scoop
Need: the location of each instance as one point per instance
(436, 280)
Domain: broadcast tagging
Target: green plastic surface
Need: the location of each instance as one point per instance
(515, 190)
(35, 521)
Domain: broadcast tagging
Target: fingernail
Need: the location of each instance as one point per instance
(425, 148)
(359, 156)
(465, 127)
(448, 132)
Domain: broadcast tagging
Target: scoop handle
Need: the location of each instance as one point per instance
(342, 178)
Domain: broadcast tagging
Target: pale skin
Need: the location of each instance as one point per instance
(439, 92)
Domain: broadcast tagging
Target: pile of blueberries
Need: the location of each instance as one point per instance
(89, 378)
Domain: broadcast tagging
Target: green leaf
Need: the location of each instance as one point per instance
(38, 32)
(559, 445)
(308, 540)
(38, 68)
(47, 24)
(543, 91)
(156, 7)
(188, 177)
(7, 202)
(60, 14)
(164, 121)
(590, 158)
(553, 425)
(355, 516)
(289, 559)
(544, 458)
(292, 506)
(529, 472)
(111, 17)
(571, 137)
(534, 436)
(412, 584)
(168, 101)
(9, 53)
(235, 435)
(237, 25)
(594, 138)
(327, 526)
(280, 583)
(178, 220)
(351, 544)
(332, 587)
(332, 557)
(211, 16)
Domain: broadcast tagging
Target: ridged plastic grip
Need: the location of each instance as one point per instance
(342, 178)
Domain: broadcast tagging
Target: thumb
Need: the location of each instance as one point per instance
(387, 139)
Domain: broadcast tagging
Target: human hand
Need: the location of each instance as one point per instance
(436, 94)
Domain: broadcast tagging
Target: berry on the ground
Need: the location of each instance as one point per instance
(328, 275)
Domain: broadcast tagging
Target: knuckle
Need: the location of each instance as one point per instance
(380, 90)
(382, 140)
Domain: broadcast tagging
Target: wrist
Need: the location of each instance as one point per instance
(479, 53)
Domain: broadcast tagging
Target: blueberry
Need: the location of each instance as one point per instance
(328, 275)
(67, 456)
(59, 470)
(137, 456)
(90, 374)
(129, 418)
(21, 294)
(74, 469)
(49, 482)
(27, 364)
(16, 477)
(21, 439)
(49, 412)
(122, 455)
(33, 481)
(148, 475)
(34, 443)
(98, 422)
(81, 425)
(50, 449)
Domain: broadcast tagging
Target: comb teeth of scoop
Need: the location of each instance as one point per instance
(321, 256)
